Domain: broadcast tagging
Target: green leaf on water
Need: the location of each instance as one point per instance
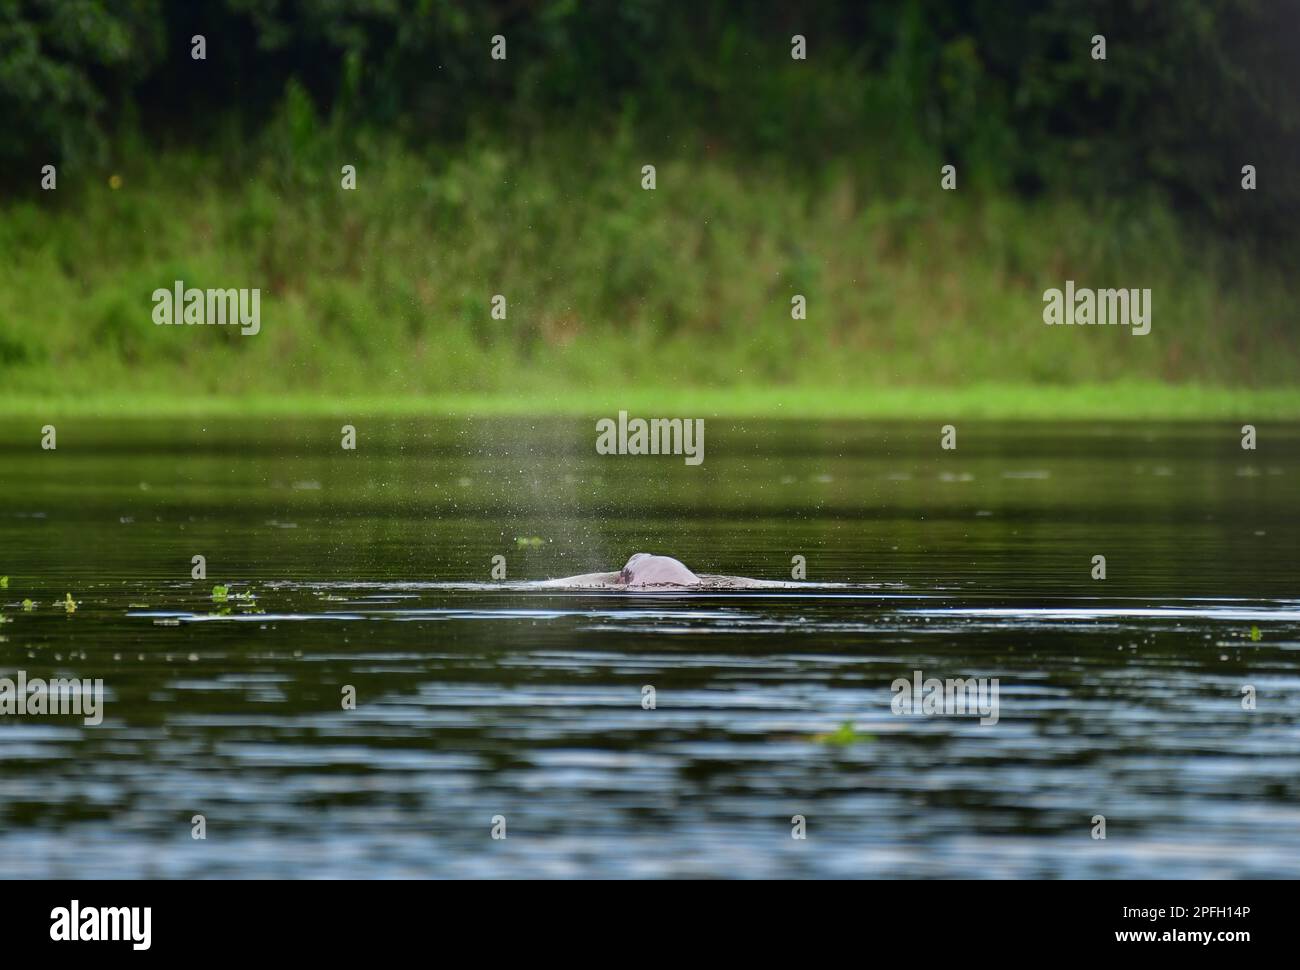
(528, 542)
(4, 582)
(1254, 633)
(28, 605)
(220, 593)
(844, 734)
(69, 603)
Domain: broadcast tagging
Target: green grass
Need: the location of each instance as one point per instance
(1131, 400)
(920, 302)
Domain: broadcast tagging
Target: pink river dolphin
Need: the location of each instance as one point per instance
(647, 572)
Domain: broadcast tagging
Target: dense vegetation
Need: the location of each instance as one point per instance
(522, 177)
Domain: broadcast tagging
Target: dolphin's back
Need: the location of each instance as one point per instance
(658, 571)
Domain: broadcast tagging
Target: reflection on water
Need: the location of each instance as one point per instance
(478, 698)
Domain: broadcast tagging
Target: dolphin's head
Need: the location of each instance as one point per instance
(626, 573)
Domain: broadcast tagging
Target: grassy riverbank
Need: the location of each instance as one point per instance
(919, 301)
(1136, 401)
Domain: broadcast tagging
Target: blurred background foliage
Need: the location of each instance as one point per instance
(1005, 89)
(479, 176)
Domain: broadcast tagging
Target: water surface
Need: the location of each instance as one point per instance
(479, 698)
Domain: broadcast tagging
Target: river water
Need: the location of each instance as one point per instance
(613, 734)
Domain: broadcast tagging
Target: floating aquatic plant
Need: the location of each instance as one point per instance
(1255, 634)
(28, 605)
(223, 595)
(844, 734)
(4, 582)
(528, 542)
(69, 604)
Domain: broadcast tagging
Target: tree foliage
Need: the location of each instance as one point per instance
(1189, 92)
